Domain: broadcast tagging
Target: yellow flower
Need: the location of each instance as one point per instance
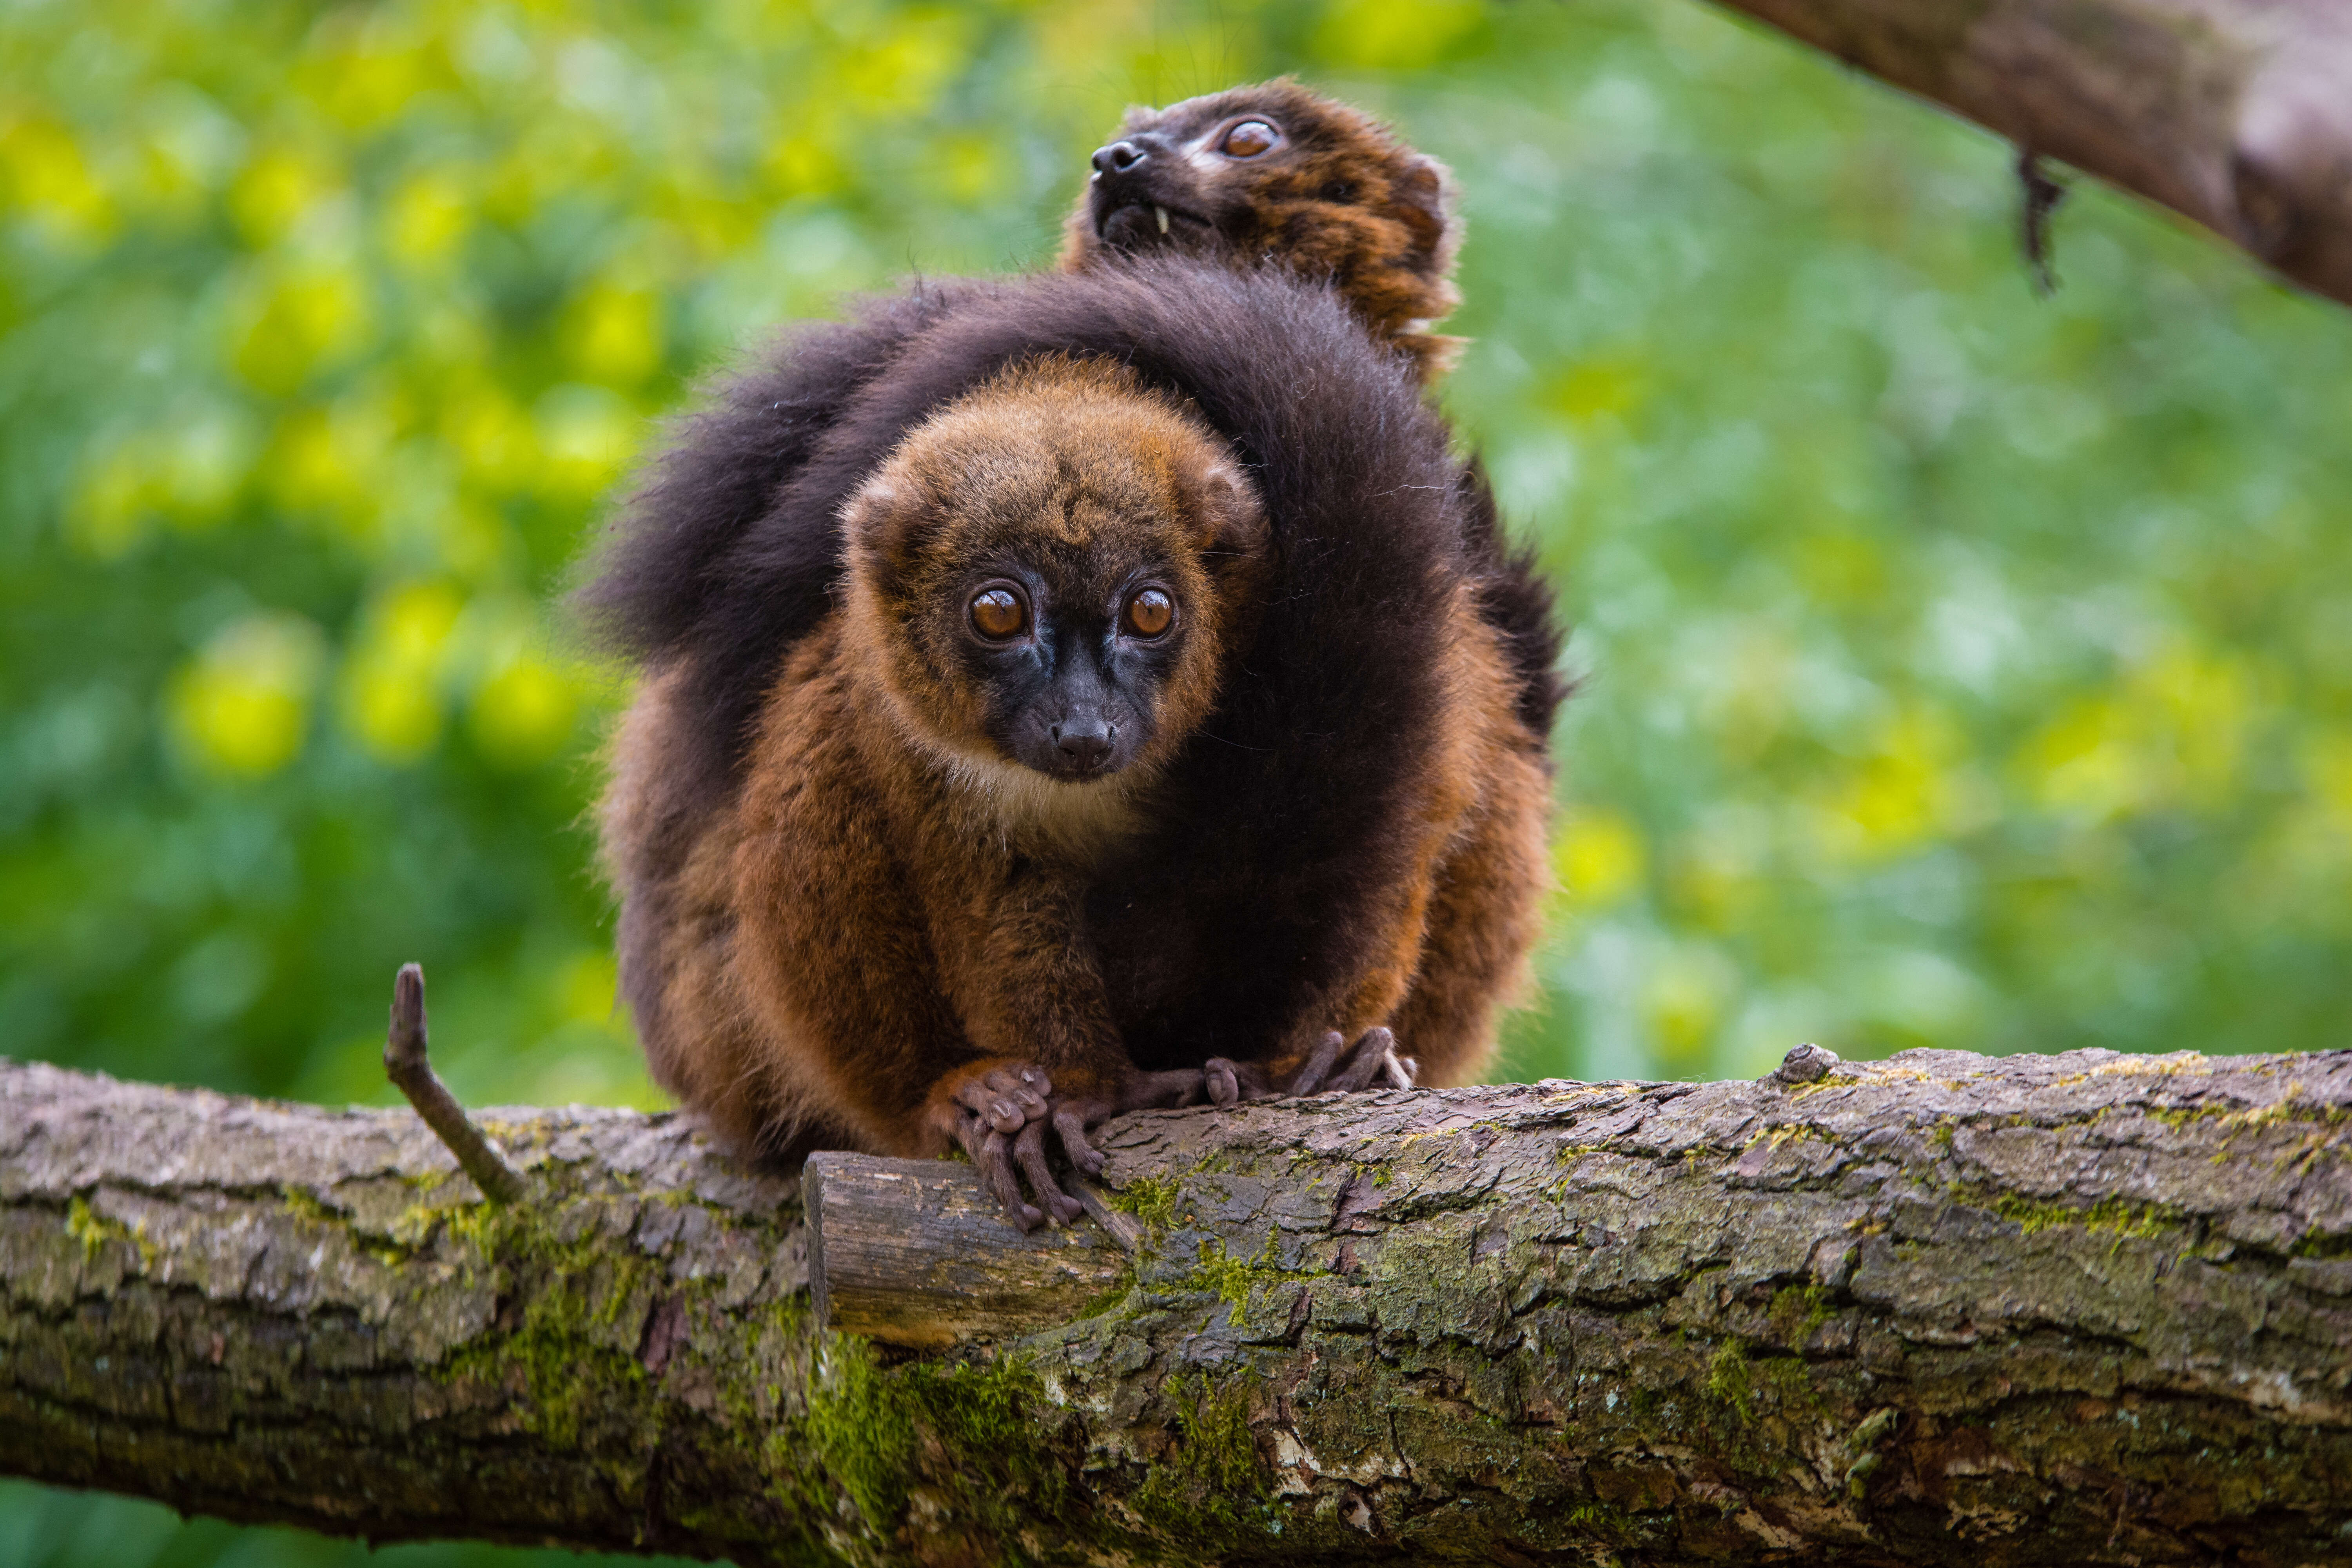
(1592, 389)
(392, 699)
(525, 712)
(1599, 857)
(615, 334)
(1683, 1002)
(1912, 787)
(44, 173)
(586, 436)
(295, 320)
(276, 189)
(241, 708)
(1394, 34)
(426, 219)
(2170, 735)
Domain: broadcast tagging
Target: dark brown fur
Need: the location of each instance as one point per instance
(837, 935)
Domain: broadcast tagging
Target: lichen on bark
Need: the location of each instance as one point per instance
(1941, 1309)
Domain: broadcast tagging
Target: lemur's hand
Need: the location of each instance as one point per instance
(1332, 1066)
(985, 1107)
(998, 1113)
(1084, 1102)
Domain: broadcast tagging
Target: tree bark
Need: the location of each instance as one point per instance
(1943, 1309)
(2236, 114)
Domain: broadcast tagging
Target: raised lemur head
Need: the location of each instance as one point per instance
(1043, 577)
(1275, 173)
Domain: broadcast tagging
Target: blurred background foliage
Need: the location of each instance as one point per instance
(1960, 668)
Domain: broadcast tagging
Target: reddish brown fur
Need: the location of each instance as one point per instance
(1343, 198)
(1485, 883)
(889, 909)
(855, 930)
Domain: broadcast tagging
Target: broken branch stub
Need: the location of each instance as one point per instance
(407, 1062)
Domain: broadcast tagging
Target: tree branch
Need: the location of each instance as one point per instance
(408, 1062)
(2236, 114)
(1943, 1309)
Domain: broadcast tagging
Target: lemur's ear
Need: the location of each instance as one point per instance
(883, 521)
(868, 509)
(1423, 187)
(1226, 507)
(1422, 195)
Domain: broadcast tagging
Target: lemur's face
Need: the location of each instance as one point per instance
(1045, 570)
(1275, 172)
(1194, 176)
(1072, 647)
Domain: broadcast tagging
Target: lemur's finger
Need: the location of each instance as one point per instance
(995, 1166)
(988, 1150)
(1318, 1066)
(1070, 1125)
(1222, 1081)
(1404, 1071)
(1030, 1150)
(1371, 1054)
(1024, 1088)
(1169, 1090)
(986, 1100)
(1005, 1099)
(970, 1134)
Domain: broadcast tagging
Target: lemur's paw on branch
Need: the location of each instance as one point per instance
(1332, 1066)
(1002, 1115)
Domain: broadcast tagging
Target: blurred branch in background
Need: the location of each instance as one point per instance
(2237, 113)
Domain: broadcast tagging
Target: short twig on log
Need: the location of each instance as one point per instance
(404, 1061)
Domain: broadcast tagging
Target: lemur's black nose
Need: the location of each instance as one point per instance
(1117, 158)
(1085, 741)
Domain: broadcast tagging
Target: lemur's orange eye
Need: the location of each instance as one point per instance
(1248, 139)
(996, 614)
(1150, 613)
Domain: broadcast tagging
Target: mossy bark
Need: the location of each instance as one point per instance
(2236, 114)
(1943, 1309)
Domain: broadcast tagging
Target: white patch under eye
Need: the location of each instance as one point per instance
(1201, 152)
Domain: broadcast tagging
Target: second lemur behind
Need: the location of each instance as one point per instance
(1274, 176)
